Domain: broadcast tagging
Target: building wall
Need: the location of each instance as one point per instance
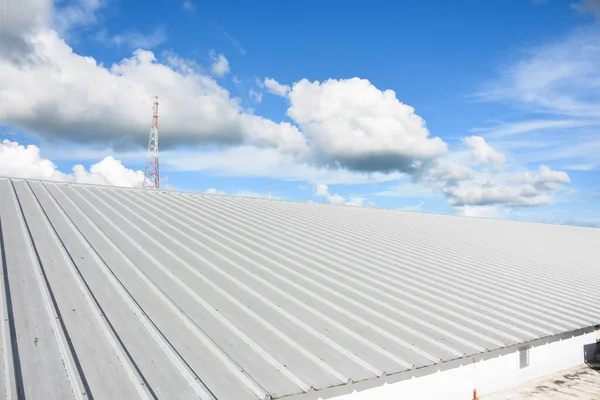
(487, 376)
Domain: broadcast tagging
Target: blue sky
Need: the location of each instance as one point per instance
(483, 108)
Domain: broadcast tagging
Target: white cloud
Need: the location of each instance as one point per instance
(523, 195)
(182, 65)
(475, 185)
(520, 127)
(336, 199)
(342, 131)
(482, 152)
(108, 172)
(220, 64)
(72, 14)
(265, 163)
(352, 124)
(134, 39)
(557, 85)
(516, 189)
(188, 6)
(484, 211)
(322, 191)
(559, 78)
(446, 171)
(547, 175)
(511, 189)
(26, 162)
(275, 87)
(214, 191)
(114, 108)
(256, 96)
(581, 167)
(22, 19)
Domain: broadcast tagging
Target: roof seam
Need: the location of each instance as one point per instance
(188, 290)
(315, 359)
(385, 333)
(154, 332)
(77, 380)
(253, 292)
(105, 325)
(368, 309)
(434, 262)
(315, 248)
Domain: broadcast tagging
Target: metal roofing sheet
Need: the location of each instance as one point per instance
(121, 293)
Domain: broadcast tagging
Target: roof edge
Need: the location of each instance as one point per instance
(309, 203)
(431, 369)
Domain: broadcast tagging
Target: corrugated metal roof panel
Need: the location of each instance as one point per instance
(120, 293)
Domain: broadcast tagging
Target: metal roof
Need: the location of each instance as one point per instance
(123, 293)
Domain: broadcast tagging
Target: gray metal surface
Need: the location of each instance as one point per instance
(122, 293)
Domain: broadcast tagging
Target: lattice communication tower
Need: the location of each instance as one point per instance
(151, 173)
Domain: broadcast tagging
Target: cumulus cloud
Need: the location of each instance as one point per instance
(275, 87)
(482, 152)
(322, 191)
(523, 195)
(341, 131)
(21, 20)
(544, 179)
(26, 162)
(515, 189)
(108, 172)
(114, 106)
(266, 162)
(447, 172)
(220, 64)
(354, 125)
(471, 184)
(547, 175)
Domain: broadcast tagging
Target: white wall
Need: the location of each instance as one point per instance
(487, 376)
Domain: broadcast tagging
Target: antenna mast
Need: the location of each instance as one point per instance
(151, 176)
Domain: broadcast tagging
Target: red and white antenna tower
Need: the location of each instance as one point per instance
(151, 176)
